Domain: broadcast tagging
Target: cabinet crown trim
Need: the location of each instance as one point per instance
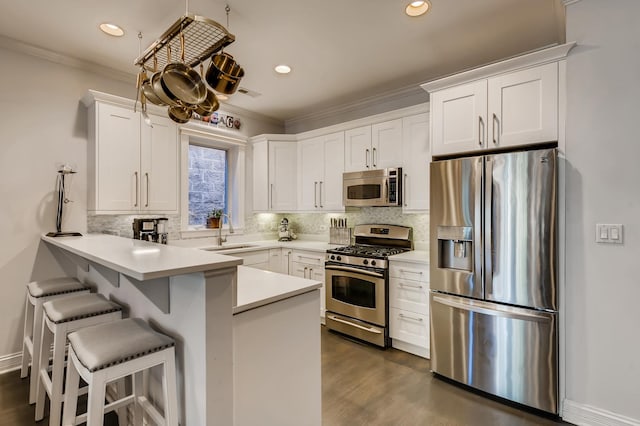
(538, 57)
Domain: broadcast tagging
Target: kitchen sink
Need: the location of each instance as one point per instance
(229, 247)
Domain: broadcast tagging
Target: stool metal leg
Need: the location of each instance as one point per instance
(71, 391)
(35, 358)
(169, 388)
(27, 337)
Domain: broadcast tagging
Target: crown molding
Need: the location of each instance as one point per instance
(568, 2)
(535, 58)
(58, 58)
(343, 109)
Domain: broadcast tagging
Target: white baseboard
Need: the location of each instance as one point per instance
(10, 362)
(586, 415)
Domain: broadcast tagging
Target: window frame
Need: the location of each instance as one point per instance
(235, 146)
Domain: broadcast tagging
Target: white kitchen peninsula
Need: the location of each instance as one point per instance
(218, 312)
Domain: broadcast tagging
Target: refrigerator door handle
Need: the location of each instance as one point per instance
(515, 313)
(477, 237)
(488, 226)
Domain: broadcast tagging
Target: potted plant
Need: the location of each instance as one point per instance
(213, 218)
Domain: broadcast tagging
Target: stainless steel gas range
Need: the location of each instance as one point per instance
(357, 282)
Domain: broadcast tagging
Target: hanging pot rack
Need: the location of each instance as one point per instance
(202, 38)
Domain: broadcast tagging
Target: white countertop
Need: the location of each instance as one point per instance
(258, 288)
(141, 260)
(413, 256)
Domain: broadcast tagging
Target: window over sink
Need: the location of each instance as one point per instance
(212, 177)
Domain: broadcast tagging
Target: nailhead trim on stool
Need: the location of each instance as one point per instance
(105, 352)
(61, 317)
(38, 292)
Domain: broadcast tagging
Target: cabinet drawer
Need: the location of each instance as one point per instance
(309, 258)
(409, 295)
(409, 327)
(253, 257)
(409, 271)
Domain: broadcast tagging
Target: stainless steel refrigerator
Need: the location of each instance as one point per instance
(493, 266)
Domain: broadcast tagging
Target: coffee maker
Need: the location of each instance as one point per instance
(151, 229)
(284, 233)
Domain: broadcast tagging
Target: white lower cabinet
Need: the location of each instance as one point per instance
(409, 307)
(310, 265)
(258, 259)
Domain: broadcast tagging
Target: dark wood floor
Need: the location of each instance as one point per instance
(361, 385)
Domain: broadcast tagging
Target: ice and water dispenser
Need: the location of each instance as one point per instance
(455, 248)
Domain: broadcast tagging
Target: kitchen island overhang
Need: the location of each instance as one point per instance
(194, 295)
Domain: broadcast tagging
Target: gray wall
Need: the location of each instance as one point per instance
(603, 178)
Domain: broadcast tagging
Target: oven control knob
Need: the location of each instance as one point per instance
(365, 262)
(338, 258)
(373, 263)
(333, 257)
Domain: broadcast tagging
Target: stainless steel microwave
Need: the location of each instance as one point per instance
(372, 188)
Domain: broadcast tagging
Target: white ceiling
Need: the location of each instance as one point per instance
(341, 51)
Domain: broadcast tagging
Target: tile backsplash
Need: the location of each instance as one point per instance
(316, 224)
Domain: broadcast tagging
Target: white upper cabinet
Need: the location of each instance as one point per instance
(274, 175)
(523, 107)
(416, 158)
(501, 105)
(132, 167)
(459, 117)
(357, 149)
(386, 144)
(375, 146)
(321, 164)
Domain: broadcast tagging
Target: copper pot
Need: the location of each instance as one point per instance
(224, 73)
(210, 104)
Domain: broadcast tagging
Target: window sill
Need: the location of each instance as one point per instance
(207, 232)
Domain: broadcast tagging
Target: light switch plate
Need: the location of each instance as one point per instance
(609, 233)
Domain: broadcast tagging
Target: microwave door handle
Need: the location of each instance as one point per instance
(386, 191)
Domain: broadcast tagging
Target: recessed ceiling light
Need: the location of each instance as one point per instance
(283, 69)
(112, 29)
(417, 8)
(221, 97)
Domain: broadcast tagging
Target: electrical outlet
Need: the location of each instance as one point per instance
(609, 233)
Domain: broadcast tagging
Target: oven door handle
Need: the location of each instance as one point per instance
(354, 270)
(370, 330)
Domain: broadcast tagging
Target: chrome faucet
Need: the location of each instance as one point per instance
(222, 239)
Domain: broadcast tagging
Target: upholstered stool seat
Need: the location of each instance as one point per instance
(61, 317)
(106, 352)
(38, 292)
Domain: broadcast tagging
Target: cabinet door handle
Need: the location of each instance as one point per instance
(366, 157)
(401, 284)
(403, 316)
(409, 271)
(373, 157)
(271, 197)
(315, 194)
(146, 175)
(315, 259)
(321, 206)
(493, 128)
(404, 189)
(136, 203)
(305, 272)
(480, 130)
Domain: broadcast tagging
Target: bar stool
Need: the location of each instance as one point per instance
(37, 293)
(61, 317)
(106, 352)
